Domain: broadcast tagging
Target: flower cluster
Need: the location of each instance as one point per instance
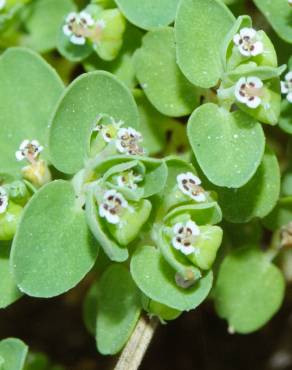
(248, 43)
(185, 236)
(112, 206)
(81, 26)
(248, 91)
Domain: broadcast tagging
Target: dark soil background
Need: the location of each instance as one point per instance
(196, 341)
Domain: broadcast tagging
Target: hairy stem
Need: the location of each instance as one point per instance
(135, 349)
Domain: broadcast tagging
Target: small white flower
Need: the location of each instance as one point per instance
(248, 90)
(247, 42)
(189, 184)
(2, 4)
(76, 26)
(109, 131)
(185, 237)
(3, 200)
(128, 141)
(112, 206)
(286, 86)
(129, 180)
(28, 150)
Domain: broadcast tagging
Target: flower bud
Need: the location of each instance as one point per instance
(9, 221)
(37, 173)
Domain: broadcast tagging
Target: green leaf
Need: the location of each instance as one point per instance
(255, 199)
(200, 29)
(118, 311)
(53, 248)
(285, 120)
(122, 66)
(249, 290)
(90, 308)
(150, 13)
(14, 352)
(87, 97)
(25, 79)
(44, 22)
(152, 124)
(161, 79)
(228, 146)
(156, 279)
(8, 288)
(281, 215)
(278, 13)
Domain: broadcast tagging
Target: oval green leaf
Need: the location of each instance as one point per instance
(249, 290)
(255, 199)
(53, 248)
(228, 146)
(200, 29)
(159, 76)
(156, 279)
(9, 292)
(13, 351)
(149, 14)
(88, 96)
(119, 310)
(24, 79)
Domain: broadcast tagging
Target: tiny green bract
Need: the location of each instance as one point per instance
(160, 173)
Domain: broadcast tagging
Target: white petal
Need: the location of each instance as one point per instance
(236, 39)
(110, 193)
(256, 81)
(258, 48)
(120, 148)
(249, 32)
(194, 227)
(77, 40)
(122, 132)
(187, 250)
(289, 97)
(71, 16)
(66, 30)
(87, 17)
(284, 87)
(177, 227)
(176, 244)
(124, 203)
(254, 103)
(243, 51)
(106, 138)
(191, 176)
(237, 90)
(288, 76)
(24, 144)
(19, 155)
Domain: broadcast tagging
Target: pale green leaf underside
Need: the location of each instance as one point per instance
(228, 146)
(156, 279)
(148, 14)
(255, 199)
(88, 96)
(9, 291)
(29, 92)
(118, 311)
(53, 248)
(200, 29)
(249, 290)
(14, 352)
(160, 77)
